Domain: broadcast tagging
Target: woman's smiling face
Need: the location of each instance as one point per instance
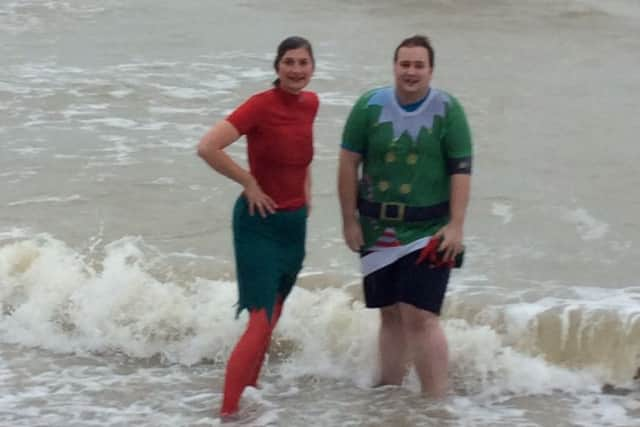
(295, 69)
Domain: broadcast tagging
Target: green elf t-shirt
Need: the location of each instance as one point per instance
(407, 157)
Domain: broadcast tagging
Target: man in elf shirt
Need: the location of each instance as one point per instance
(405, 213)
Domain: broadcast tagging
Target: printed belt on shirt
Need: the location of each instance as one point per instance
(402, 212)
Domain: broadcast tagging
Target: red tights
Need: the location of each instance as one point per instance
(247, 357)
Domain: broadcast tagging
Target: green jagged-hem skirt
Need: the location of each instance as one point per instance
(269, 253)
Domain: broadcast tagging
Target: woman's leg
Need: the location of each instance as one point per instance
(277, 311)
(246, 358)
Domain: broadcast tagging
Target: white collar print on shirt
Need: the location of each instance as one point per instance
(411, 122)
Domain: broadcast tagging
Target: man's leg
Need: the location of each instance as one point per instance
(393, 346)
(428, 347)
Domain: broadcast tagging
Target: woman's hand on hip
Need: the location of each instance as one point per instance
(258, 199)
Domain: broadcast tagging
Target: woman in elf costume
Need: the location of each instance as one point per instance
(270, 216)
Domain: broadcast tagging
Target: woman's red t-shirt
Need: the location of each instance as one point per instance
(279, 130)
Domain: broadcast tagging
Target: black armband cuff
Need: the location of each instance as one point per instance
(459, 165)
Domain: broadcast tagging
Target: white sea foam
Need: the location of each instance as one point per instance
(176, 110)
(502, 210)
(258, 74)
(164, 180)
(588, 227)
(14, 233)
(25, 151)
(156, 125)
(21, 174)
(61, 302)
(120, 93)
(116, 122)
(337, 99)
(48, 199)
(14, 89)
(221, 82)
(572, 326)
(624, 8)
(70, 113)
(186, 93)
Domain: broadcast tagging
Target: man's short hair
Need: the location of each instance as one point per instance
(417, 41)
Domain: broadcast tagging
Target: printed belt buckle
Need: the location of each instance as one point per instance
(392, 211)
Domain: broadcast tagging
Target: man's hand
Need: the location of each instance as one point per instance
(353, 234)
(451, 244)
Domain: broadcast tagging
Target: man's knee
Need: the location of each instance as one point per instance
(415, 320)
(391, 316)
